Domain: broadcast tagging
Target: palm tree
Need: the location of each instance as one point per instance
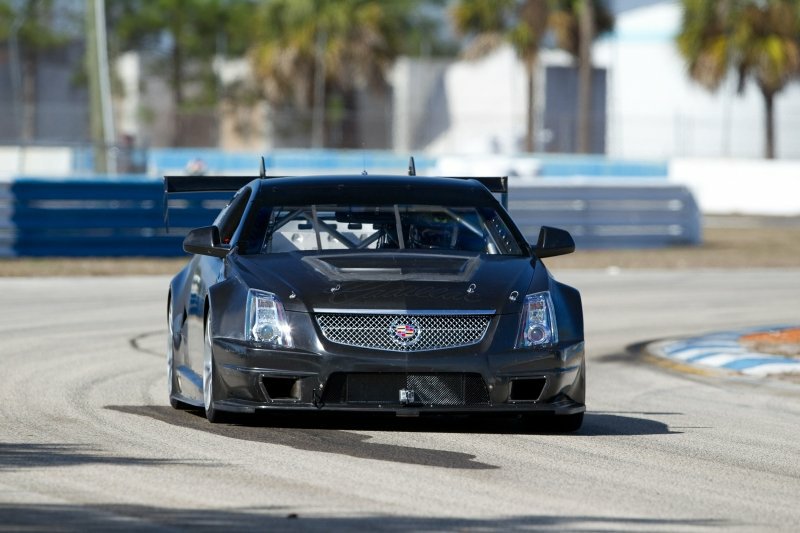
(194, 31)
(760, 40)
(316, 54)
(522, 23)
(576, 23)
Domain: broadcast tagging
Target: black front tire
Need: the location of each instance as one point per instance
(213, 414)
(171, 385)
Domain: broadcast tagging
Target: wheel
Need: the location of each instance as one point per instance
(171, 388)
(212, 414)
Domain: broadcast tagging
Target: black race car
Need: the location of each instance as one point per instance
(404, 294)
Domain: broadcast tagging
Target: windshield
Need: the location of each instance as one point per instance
(278, 229)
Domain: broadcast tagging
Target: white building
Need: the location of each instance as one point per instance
(656, 110)
(652, 110)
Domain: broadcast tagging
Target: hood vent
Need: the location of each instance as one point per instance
(394, 267)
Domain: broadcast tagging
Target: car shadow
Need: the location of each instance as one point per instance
(595, 423)
(612, 423)
(19, 455)
(299, 432)
(342, 433)
(112, 517)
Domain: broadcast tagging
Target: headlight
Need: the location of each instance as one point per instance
(538, 325)
(266, 319)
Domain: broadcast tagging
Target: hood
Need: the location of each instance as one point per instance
(389, 281)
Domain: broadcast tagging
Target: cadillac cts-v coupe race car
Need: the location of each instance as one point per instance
(403, 294)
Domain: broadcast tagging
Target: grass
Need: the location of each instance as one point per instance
(728, 242)
(768, 247)
(95, 266)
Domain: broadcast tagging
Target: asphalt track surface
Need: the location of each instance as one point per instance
(89, 442)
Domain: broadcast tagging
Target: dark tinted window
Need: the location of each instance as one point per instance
(358, 227)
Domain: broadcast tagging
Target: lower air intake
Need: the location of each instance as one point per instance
(527, 390)
(429, 389)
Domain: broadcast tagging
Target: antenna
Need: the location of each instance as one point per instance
(263, 172)
(412, 168)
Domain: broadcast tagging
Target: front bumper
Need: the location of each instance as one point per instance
(251, 377)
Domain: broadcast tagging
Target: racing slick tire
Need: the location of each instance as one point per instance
(213, 414)
(171, 387)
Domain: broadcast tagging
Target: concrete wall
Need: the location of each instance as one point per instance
(723, 186)
(486, 104)
(43, 161)
(653, 109)
(420, 107)
(656, 111)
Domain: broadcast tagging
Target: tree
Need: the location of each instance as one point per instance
(185, 35)
(576, 24)
(759, 40)
(521, 23)
(30, 28)
(6, 20)
(316, 54)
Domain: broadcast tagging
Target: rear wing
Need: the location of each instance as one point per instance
(184, 184)
(495, 184)
(188, 184)
(177, 184)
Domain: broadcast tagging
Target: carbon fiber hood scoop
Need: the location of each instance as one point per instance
(408, 267)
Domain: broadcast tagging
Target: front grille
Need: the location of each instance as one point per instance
(403, 333)
(431, 389)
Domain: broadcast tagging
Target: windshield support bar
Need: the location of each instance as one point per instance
(315, 222)
(321, 225)
(398, 222)
(372, 238)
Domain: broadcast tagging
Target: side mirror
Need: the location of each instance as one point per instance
(204, 241)
(552, 242)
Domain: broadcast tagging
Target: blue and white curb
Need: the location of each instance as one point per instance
(724, 351)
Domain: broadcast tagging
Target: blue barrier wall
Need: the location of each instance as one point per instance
(7, 228)
(617, 215)
(595, 166)
(125, 216)
(159, 161)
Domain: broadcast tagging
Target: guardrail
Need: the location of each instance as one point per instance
(7, 229)
(125, 217)
(609, 215)
(120, 218)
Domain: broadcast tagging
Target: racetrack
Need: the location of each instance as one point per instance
(88, 440)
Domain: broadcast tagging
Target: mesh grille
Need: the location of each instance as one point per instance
(433, 389)
(403, 333)
(447, 389)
